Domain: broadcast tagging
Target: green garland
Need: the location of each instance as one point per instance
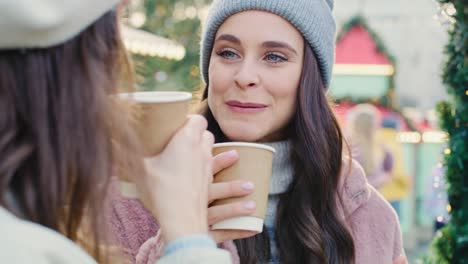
(451, 243)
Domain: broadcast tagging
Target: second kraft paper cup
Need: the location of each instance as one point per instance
(255, 165)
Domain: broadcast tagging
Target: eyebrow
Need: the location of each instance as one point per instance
(230, 38)
(266, 44)
(278, 44)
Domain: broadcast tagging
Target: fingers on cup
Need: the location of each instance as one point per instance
(190, 134)
(196, 124)
(208, 141)
(207, 145)
(224, 160)
(194, 131)
(231, 189)
(222, 212)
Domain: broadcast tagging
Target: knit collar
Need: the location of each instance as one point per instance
(282, 172)
(353, 187)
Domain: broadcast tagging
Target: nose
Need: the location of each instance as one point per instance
(247, 76)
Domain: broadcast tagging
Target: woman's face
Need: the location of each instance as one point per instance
(254, 74)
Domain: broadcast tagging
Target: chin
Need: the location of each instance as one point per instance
(243, 138)
(242, 134)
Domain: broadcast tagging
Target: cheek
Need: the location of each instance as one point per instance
(219, 78)
(286, 105)
(218, 85)
(284, 87)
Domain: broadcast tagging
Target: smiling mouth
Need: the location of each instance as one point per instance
(241, 107)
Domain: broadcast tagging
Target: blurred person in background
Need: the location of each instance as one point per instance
(375, 158)
(400, 183)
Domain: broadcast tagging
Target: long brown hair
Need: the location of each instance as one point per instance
(308, 228)
(58, 126)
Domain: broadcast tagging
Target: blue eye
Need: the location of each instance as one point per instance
(228, 54)
(275, 58)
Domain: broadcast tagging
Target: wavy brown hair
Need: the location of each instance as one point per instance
(58, 129)
(308, 227)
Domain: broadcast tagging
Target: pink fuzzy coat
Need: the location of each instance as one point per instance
(372, 222)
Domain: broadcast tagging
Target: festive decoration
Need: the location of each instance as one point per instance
(451, 242)
(360, 21)
(179, 21)
(360, 69)
(364, 69)
(436, 200)
(147, 44)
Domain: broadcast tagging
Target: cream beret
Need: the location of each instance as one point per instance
(45, 23)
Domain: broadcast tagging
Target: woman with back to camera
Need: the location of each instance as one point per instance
(60, 62)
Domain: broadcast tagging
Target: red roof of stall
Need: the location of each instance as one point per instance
(357, 46)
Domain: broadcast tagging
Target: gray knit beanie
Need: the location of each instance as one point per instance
(313, 18)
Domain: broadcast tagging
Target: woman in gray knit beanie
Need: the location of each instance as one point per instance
(267, 65)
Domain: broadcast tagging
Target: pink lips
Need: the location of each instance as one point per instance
(240, 107)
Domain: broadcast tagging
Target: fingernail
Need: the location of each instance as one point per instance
(232, 153)
(249, 205)
(248, 186)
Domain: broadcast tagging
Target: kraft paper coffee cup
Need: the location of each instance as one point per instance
(155, 117)
(255, 165)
